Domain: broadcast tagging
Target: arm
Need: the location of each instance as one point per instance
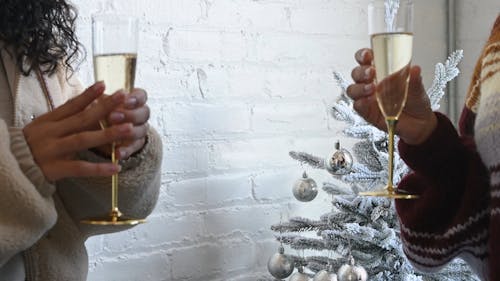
(27, 210)
(139, 180)
(452, 182)
(139, 183)
(453, 215)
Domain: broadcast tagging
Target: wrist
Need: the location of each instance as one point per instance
(422, 131)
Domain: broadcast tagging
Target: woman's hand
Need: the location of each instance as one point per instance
(416, 122)
(135, 111)
(55, 137)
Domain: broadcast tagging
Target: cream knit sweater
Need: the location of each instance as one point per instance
(39, 220)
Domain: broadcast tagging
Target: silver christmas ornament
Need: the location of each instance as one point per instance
(325, 275)
(299, 276)
(305, 189)
(280, 265)
(339, 162)
(352, 272)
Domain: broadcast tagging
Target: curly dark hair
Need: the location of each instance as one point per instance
(40, 34)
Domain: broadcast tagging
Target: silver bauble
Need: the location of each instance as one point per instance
(299, 276)
(305, 189)
(324, 275)
(351, 272)
(280, 265)
(339, 162)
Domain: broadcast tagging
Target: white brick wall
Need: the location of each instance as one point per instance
(234, 85)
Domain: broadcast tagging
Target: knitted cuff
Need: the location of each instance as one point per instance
(432, 156)
(133, 161)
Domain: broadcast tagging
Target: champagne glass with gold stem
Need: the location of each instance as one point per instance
(114, 46)
(390, 25)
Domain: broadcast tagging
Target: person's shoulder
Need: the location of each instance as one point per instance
(494, 38)
(491, 51)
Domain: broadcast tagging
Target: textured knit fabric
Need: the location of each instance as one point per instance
(457, 214)
(13, 270)
(487, 136)
(40, 220)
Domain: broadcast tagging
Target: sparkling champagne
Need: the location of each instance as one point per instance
(392, 59)
(116, 70)
(114, 45)
(391, 31)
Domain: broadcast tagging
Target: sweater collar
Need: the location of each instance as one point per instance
(12, 72)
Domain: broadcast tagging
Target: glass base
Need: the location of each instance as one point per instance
(392, 193)
(112, 220)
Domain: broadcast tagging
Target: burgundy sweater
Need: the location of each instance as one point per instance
(456, 214)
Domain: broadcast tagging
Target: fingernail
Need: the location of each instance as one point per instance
(116, 116)
(115, 168)
(99, 85)
(131, 102)
(123, 153)
(363, 53)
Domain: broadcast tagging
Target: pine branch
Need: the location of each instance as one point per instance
(306, 158)
(343, 111)
(343, 84)
(317, 263)
(334, 189)
(443, 74)
(299, 224)
(365, 131)
(333, 218)
(366, 227)
(299, 242)
(361, 174)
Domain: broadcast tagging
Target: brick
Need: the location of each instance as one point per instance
(211, 191)
(233, 87)
(203, 262)
(272, 185)
(241, 219)
(150, 266)
(185, 157)
(205, 119)
(248, 15)
(174, 228)
(241, 155)
(303, 117)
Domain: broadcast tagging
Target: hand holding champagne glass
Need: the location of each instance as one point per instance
(391, 29)
(114, 45)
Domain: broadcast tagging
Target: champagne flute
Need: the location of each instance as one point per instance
(390, 25)
(114, 46)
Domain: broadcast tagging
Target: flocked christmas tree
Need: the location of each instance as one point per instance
(362, 232)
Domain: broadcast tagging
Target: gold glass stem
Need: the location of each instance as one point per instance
(389, 190)
(391, 125)
(115, 213)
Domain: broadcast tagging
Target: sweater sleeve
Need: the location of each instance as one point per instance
(139, 180)
(450, 218)
(27, 209)
(139, 184)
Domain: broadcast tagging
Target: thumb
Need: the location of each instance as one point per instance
(415, 86)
